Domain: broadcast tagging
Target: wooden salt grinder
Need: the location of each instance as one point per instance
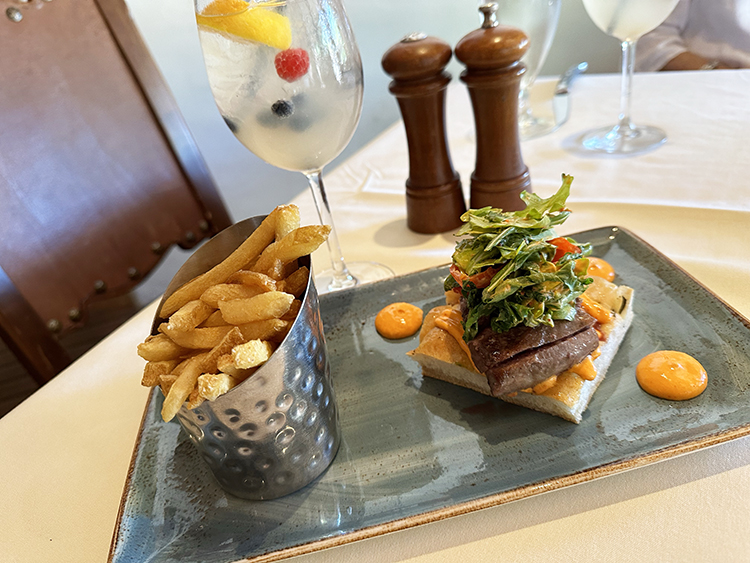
(493, 75)
(434, 200)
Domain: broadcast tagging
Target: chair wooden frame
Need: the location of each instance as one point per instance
(27, 336)
(21, 328)
(164, 107)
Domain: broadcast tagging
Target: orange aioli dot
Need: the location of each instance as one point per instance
(601, 268)
(398, 320)
(671, 375)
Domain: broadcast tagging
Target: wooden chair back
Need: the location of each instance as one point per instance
(99, 174)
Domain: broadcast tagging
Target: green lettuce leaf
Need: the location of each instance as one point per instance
(528, 288)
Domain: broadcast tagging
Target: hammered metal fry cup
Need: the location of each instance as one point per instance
(278, 430)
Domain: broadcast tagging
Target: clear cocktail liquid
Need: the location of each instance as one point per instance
(298, 125)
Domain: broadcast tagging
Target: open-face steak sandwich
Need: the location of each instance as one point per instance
(524, 321)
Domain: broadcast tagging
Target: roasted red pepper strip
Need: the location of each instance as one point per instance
(564, 246)
(480, 280)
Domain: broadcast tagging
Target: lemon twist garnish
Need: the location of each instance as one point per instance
(259, 24)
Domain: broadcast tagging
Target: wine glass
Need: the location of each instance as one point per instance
(538, 20)
(627, 20)
(286, 76)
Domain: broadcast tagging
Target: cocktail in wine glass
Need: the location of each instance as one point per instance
(627, 20)
(287, 78)
(538, 20)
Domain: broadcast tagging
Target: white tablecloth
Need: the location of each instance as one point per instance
(66, 450)
(689, 198)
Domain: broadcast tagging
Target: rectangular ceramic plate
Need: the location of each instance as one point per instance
(416, 450)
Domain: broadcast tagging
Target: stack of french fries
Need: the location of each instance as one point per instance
(224, 324)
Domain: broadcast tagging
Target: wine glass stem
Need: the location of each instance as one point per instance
(524, 105)
(341, 275)
(628, 58)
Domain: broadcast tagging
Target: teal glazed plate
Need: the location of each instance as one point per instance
(417, 450)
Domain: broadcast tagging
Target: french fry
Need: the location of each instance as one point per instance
(296, 244)
(228, 292)
(268, 329)
(190, 315)
(194, 399)
(159, 347)
(252, 353)
(249, 265)
(213, 385)
(214, 319)
(232, 339)
(287, 220)
(198, 338)
(276, 270)
(181, 388)
(225, 364)
(296, 282)
(293, 311)
(153, 370)
(202, 363)
(253, 279)
(181, 366)
(247, 251)
(290, 268)
(165, 382)
(222, 325)
(272, 304)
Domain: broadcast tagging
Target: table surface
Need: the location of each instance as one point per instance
(67, 449)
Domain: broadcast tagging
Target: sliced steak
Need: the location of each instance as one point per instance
(490, 348)
(534, 366)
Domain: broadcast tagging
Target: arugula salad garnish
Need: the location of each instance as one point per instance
(512, 269)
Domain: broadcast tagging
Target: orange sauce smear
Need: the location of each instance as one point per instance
(671, 375)
(450, 321)
(601, 268)
(594, 309)
(398, 320)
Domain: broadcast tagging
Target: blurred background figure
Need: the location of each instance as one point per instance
(699, 35)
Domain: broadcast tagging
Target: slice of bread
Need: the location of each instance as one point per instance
(442, 357)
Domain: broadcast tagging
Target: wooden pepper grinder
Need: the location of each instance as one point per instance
(434, 200)
(493, 75)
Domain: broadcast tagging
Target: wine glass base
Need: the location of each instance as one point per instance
(623, 140)
(531, 126)
(359, 273)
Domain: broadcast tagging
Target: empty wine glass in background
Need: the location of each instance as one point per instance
(627, 20)
(538, 19)
(286, 76)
